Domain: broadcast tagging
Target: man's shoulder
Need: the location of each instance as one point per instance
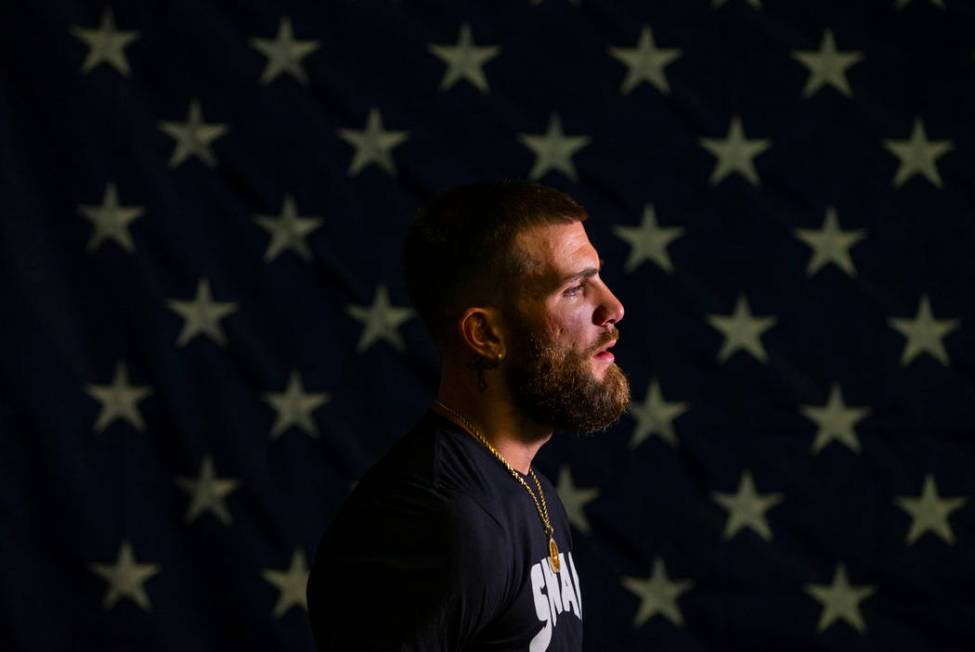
(435, 467)
(416, 504)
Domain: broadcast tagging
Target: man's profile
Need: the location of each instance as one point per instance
(452, 541)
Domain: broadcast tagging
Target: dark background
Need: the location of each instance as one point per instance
(72, 493)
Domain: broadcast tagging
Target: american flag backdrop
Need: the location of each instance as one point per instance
(207, 340)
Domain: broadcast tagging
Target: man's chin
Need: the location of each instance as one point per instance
(566, 391)
(603, 372)
(604, 411)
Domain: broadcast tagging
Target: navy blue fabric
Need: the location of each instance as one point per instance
(71, 494)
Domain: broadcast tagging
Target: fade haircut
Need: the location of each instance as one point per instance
(460, 252)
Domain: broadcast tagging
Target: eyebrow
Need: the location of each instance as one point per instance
(588, 272)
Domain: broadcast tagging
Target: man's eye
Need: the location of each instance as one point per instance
(573, 290)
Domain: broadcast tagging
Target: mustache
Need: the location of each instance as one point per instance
(606, 338)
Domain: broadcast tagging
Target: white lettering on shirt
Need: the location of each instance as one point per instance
(553, 594)
(569, 602)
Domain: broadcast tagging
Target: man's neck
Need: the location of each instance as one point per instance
(517, 438)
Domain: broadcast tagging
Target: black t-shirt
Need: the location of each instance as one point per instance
(440, 548)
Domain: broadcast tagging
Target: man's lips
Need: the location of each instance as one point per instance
(604, 353)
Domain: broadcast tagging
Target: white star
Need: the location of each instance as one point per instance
(553, 150)
(291, 583)
(924, 333)
(742, 331)
(835, 421)
(937, 3)
(840, 600)
(105, 44)
(645, 63)
(288, 230)
(658, 595)
(648, 241)
(827, 66)
(464, 60)
(207, 492)
(917, 155)
(119, 400)
(284, 53)
(831, 244)
(655, 416)
(747, 508)
(193, 137)
(381, 320)
(202, 314)
(929, 511)
(125, 578)
(294, 407)
(735, 153)
(111, 220)
(575, 500)
(373, 144)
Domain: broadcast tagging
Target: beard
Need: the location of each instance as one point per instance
(554, 385)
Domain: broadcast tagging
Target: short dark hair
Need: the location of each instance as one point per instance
(459, 250)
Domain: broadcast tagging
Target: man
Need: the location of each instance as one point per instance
(452, 541)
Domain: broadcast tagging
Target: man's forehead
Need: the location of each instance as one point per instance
(554, 250)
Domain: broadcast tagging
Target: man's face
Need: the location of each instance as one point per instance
(559, 369)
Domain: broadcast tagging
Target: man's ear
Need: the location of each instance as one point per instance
(481, 331)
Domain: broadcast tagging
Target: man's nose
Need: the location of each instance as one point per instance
(610, 309)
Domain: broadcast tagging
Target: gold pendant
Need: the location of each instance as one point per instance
(553, 554)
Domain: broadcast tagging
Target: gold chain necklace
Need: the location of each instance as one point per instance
(542, 507)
